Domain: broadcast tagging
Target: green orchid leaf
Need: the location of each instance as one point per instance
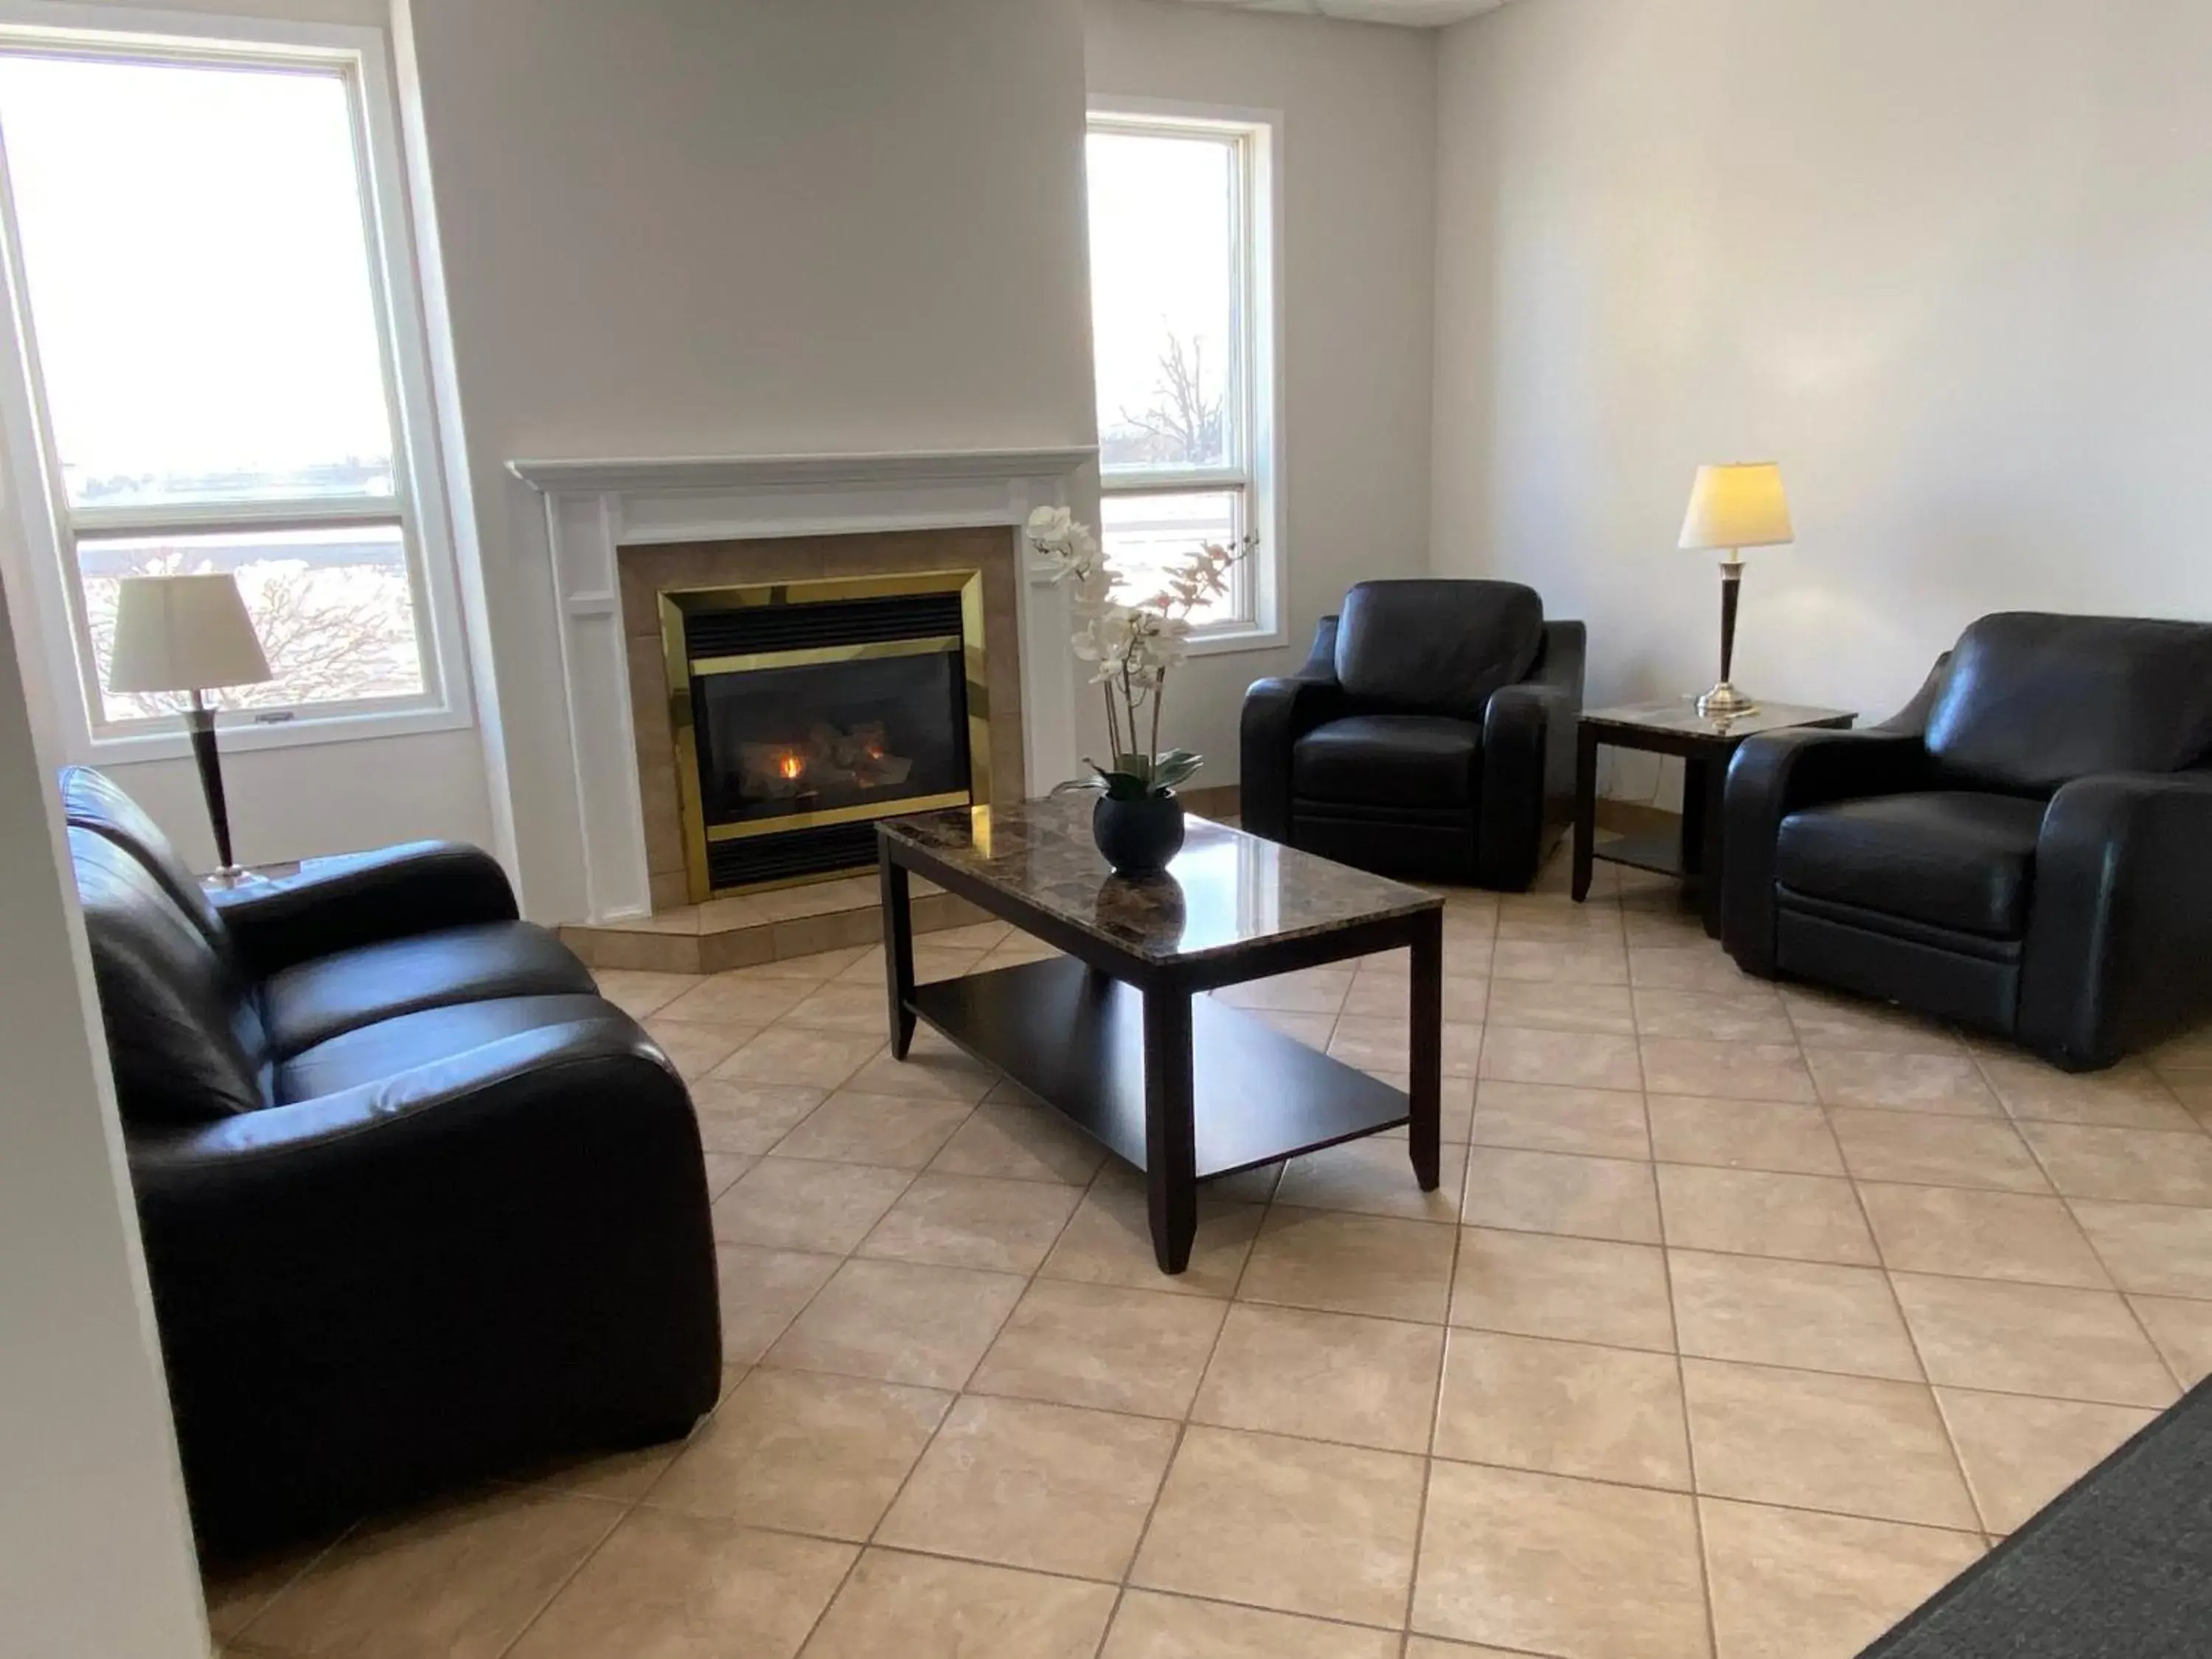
(1176, 770)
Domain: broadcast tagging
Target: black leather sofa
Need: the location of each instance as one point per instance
(2026, 849)
(418, 1206)
(1430, 735)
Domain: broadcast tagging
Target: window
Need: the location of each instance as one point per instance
(1181, 265)
(218, 365)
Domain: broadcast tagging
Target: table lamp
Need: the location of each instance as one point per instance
(1733, 508)
(189, 634)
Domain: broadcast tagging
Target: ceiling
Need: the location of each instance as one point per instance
(1418, 14)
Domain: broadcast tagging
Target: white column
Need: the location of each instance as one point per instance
(95, 1552)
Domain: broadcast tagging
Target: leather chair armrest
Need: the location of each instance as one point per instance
(1529, 763)
(363, 898)
(1776, 774)
(572, 1132)
(2119, 932)
(1277, 713)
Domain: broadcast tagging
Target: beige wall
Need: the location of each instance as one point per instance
(1948, 263)
(1358, 151)
(687, 227)
(95, 1552)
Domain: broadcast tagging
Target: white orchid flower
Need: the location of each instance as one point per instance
(1132, 647)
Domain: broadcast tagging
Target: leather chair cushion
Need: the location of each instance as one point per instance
(316, 1000)
(2033, 702)
(184, 1035)
(1950, 859)
(1436, 647)
(1389, 760)
(371, 1054)
(91, 801)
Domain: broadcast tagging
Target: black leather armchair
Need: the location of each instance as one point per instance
(418, 1206)
(2026, 849)
(1431, 734)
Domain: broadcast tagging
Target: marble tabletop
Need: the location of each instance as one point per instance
(1681, 716)
(1226, 890)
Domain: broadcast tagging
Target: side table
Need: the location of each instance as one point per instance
(1706, 746)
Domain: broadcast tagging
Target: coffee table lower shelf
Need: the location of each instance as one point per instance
(1074, 1037)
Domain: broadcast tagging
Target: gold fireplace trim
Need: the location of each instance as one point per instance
(871, 651)
(676, 604)
(722, 832)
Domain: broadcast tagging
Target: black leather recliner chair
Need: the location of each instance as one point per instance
(1430, 735)
(2026, 849)
(418, 1206)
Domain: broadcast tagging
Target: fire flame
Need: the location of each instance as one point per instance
(792, 766)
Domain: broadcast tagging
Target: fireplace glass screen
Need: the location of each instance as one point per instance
(779, 744)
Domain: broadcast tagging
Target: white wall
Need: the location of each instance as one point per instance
(315, 799)
(687, 227)
(1949, 262)
(95, 1552)
(1358, 157)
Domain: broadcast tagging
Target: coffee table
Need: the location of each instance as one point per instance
(1115, 1035)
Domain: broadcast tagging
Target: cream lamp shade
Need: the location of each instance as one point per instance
(183, 634)
(1743, 505)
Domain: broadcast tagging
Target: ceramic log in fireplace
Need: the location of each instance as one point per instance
(806, 711)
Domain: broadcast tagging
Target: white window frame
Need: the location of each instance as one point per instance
(418, 501)
(1258, 474)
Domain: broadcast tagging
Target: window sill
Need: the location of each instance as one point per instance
(1231, 642)
(171, 744)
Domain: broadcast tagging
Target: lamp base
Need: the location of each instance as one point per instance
(1725, 702)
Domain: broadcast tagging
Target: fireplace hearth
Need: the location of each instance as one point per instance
(803, 712)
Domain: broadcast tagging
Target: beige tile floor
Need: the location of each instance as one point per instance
(1745, 1318)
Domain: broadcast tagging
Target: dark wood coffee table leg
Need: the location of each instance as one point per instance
(1426, 1087)
(1692, 829)
(1171, 1133)
(1709, 855)
(898, 952)
(1585, 810)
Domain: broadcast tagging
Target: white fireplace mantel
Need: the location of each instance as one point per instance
(595, 507)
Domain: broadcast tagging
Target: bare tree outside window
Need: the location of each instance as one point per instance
(1181, 424)
(335, 613)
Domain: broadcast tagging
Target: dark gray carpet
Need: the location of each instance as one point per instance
(2119, 1566)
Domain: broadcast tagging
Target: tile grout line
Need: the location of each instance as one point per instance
(860, 1551)
(624, 1510)
(2134, 1314)
(1612, 1483)
(1707, 1571)
(1444, 1348)
(292, 1581)
(1183, 1424)
(1919, 1356)
(1365, 1445)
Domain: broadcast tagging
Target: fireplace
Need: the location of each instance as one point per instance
(804, 711)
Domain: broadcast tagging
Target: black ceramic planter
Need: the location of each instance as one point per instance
(1137, 837)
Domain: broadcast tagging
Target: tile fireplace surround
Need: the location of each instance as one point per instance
(618, 531)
